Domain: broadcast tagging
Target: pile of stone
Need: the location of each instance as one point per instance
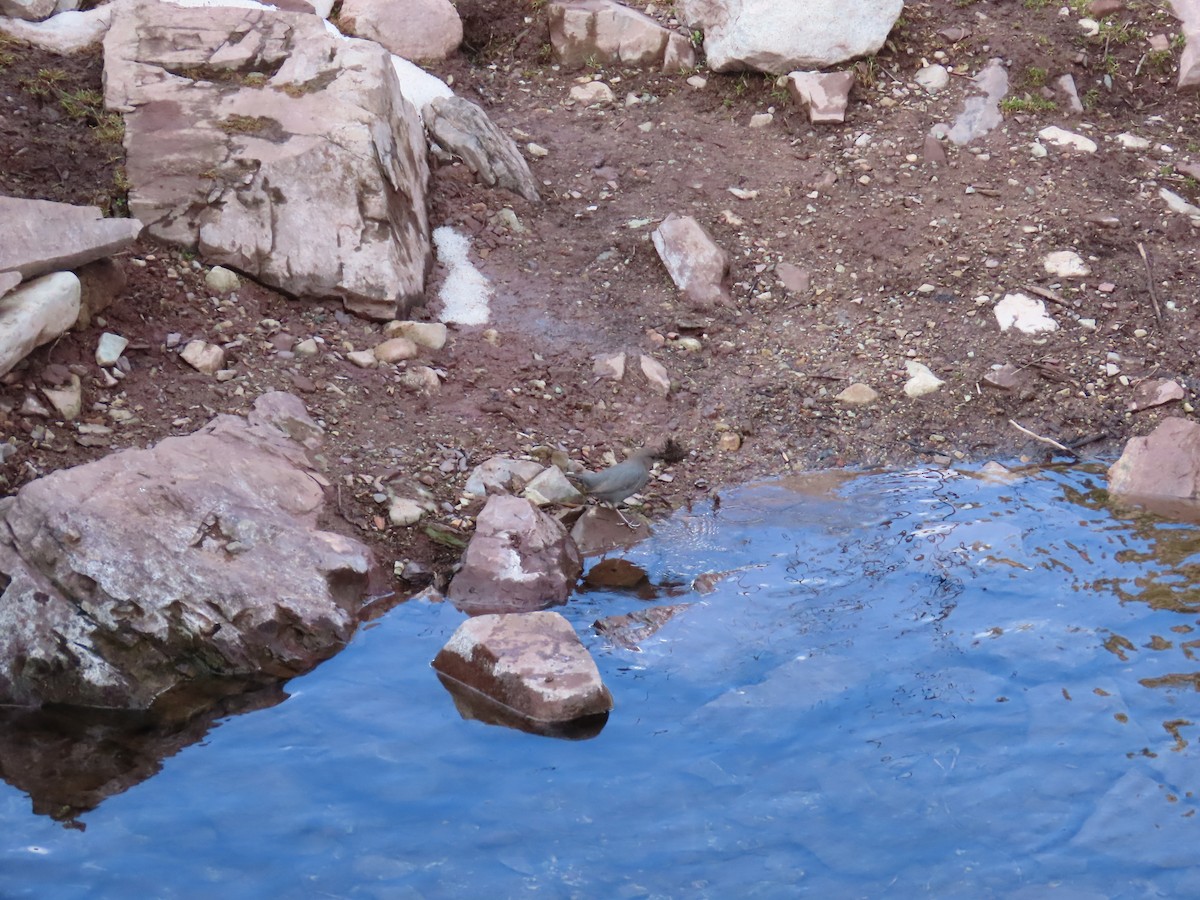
(55, 269)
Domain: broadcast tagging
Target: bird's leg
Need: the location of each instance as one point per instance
(628, 524)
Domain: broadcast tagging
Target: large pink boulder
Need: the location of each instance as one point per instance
(532, 663)
(1165, 463)
(274, 148)
(519, 559)
(413, 29)
(199, 558)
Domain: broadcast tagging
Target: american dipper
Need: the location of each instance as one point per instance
(616, 483)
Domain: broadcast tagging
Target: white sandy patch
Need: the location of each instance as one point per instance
(1024, 313)
(418, 86)
(465, 293)
(66, 32)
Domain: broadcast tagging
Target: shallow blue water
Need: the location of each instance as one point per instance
(913, 686)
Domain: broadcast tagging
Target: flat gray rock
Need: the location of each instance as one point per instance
(38, 237)
(466, 131)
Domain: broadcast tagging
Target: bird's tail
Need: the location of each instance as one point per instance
(582, 480)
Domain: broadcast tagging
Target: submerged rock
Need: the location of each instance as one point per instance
(630, 629)
(150, 570)
(533, 663)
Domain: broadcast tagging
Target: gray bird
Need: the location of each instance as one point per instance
(619, 482)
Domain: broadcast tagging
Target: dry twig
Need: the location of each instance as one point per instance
(1150, 282)
(1047, 294)
(1045, 440)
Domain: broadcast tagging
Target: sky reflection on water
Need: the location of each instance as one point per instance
(923, 682)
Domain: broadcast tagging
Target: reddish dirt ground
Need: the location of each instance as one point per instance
(905, 258)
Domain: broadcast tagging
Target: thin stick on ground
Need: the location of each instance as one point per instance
(1150, 282)
(1045, 440)
(1047, 294)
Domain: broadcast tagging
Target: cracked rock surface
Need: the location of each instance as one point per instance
(274, 148)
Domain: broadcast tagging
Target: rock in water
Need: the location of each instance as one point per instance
(533, 663)
(520, 559)
(198, 558)
(1165, 463)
